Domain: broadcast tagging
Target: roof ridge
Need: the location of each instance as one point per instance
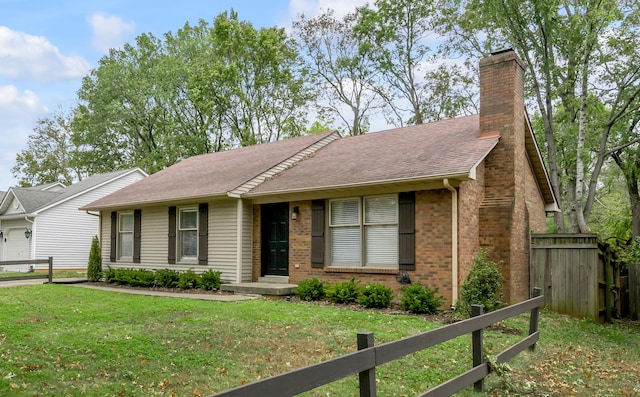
(238, 191)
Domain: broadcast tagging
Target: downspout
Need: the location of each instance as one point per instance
(239, 240)
(454, 241)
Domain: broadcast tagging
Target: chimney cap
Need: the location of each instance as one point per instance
(502, 51)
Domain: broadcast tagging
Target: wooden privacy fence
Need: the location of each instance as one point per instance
(576, 274)
(634, 291)
(48, 276)
(368, 357)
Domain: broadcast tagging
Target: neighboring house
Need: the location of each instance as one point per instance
(412, 203)
(42, 221)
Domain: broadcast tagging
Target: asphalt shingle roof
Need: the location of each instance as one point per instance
(449, 147)
(208, 174)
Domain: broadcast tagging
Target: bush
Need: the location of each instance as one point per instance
(375, 296)
(344, 292)
(167, 278)
(109, 275)
(141, 278)
(420, 300)
(94, 267)
(483, 285)
(311, 290)
(188, 280)
(209, 280)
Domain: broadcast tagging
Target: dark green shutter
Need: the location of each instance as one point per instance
(203, 233)
(114, 236)
(172, 235)
(317, 234)
(137, 235)
(407, 231)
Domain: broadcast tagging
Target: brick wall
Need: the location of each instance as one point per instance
(504, 220)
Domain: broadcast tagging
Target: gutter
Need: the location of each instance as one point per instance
(454, 241)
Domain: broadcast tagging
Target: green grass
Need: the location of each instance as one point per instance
(40, 273)
(60, 340)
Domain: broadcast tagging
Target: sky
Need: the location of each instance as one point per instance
(47, 47)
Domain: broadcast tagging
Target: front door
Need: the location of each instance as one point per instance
(275, 239)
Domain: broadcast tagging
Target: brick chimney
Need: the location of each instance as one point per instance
(504, 224)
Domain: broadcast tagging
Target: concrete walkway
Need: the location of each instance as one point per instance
(82, 283)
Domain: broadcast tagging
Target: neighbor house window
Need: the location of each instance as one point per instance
(188, 234)
(125, 236)
(363, 231)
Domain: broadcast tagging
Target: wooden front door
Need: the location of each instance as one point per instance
(275, 239)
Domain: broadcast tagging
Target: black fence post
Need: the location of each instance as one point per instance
(50, 269)
(368, 377)
(534, 317)
(478, 346)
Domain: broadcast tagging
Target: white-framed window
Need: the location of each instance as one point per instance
(363, 231)
(188, 234)
(125, 236)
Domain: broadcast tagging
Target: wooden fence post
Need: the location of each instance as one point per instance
(477, 346)
(368, 377)
(534, 317)
(50, 269)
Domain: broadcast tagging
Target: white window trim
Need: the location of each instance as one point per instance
(362, 225)
(120, 257)
(179, 229)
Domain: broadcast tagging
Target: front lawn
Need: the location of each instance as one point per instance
(58, 340)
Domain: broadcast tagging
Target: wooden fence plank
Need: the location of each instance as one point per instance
(308, 378)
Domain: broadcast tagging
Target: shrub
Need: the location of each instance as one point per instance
(188, 280)
(167, 278)
(420, 300)
(209, 280)
(311, 290)
(483, 285)
(344, 292)
(94, 267)
(141, 278)
(109, 275)
(375, 296)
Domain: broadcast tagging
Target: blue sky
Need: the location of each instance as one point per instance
(46, 47)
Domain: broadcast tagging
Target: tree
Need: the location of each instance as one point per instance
(203, 89)
(49, 154)
(394, 31)
(574, 51)
(338, 65)
(94, 267)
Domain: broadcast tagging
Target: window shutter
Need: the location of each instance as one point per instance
(114, 236)
(317, 234)
(203, 233)
(406, 231)
(137, 234)
(172, 235)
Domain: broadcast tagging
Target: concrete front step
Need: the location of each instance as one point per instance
(260, 288)
(274, 279)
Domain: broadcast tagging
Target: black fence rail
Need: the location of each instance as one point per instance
(368, 357)
(49, 276)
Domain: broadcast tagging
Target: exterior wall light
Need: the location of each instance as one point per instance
(28, 233)
(294, 213)
(1, 234)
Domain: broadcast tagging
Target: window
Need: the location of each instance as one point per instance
(125, 236)
(364, 231)
(188, 234)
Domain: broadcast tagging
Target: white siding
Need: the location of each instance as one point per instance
(154, 242)
(14, 208)
(247, 241)
(65, 233)
(223, 238)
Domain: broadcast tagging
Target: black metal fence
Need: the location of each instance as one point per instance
(368, 357)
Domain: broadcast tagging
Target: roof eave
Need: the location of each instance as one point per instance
(460, 176)
(145, 203)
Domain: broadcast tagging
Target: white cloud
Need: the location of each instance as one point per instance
(16, 105)
(28, 57)
(110, 31)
